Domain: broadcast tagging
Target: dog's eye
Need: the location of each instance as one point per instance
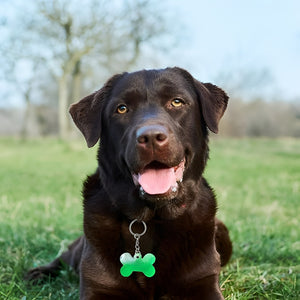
(177, 102)
(122, 109)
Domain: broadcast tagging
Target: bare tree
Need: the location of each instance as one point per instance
(24, 83)
(64, 35)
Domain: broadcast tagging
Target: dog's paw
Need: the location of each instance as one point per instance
(40, 274)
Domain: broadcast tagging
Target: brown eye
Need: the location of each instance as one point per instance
(177, 102)
(122, 109)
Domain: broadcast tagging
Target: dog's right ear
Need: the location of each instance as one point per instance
(87, 112)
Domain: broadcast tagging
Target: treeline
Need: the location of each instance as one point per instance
(256, 118)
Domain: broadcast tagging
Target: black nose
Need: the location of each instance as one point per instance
(152, 135)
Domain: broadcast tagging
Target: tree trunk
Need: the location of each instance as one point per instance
(63, 106)
(76, 83)
(24, 129)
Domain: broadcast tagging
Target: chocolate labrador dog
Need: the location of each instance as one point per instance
(150, 230)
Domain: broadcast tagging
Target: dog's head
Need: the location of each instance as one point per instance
(152, 127)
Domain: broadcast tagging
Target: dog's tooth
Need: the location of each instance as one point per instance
(135, 179)
(174, 189)
(142, 191)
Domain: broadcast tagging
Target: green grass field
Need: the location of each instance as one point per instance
(257, 183)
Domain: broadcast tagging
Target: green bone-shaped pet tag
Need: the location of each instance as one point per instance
(137, 263)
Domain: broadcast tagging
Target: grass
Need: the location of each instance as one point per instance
(258, 187)
(257, 183)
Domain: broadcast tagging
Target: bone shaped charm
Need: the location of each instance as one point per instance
(137, 263)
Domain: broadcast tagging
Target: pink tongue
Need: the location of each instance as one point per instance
(157, 181)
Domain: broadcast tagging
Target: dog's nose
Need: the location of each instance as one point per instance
(152, 135)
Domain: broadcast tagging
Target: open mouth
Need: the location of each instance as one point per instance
(159, 179)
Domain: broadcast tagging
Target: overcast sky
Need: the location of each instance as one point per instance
(226, 36)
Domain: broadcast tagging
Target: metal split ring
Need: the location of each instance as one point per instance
(137, 234)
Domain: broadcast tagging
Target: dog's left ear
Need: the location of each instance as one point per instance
(87, 112)
(213, 101)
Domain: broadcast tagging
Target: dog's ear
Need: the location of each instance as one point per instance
(213, 101)
(86, 115)
(87, 112)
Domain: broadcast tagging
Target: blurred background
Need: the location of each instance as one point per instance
(52, 53)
